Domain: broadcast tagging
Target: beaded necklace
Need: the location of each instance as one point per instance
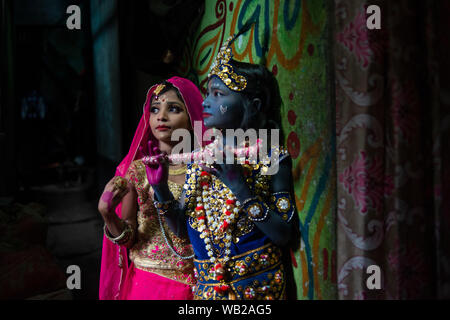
(216, 222)
(217, 216)
(216, 219)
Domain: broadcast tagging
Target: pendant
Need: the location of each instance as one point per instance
(220, 272)
(222, 289)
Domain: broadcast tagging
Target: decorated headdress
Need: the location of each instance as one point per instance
(158, 89)
(224, 70)
(222, 67)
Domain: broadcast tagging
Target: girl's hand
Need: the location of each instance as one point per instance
(156, 173)
(112, 195)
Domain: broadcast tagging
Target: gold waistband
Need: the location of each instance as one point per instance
(242, 266)
(253, 275)
(186, 278)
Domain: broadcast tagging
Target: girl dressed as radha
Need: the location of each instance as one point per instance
(241, 221)
(161, 262)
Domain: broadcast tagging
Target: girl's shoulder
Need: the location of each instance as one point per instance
(136, 171)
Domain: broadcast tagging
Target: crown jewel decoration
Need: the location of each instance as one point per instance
(158, 89)
(224, 70)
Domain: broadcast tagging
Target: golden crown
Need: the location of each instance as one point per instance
(224, 70)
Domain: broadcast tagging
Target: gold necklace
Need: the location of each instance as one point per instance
(177, 171)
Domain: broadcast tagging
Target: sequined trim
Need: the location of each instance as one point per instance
(282, 204)
(256, 181)
(254, 275)
(224, 70)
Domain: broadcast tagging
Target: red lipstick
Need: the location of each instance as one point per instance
(162, 128)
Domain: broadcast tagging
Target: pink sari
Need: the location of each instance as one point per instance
(117, 280)
(144, 285)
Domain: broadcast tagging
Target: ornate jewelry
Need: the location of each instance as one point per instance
(216, 227)
(123, 237)
(282, 204)
(256, 209)
(223, 109)
(224, 70)
(158, 89)
(163, 232)
(177, 171)
(163, 207)
(223, 275)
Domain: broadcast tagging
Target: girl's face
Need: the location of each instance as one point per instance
(168, 113)
(223, 108)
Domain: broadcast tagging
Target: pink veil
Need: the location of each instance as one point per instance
(114, 263)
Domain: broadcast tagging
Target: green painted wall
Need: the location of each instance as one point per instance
(298, 56)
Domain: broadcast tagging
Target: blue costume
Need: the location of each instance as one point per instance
(241, 220)
(252, 268)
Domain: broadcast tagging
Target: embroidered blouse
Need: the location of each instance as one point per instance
(150, 251)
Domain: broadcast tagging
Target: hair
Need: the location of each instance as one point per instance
(167, 87)
(262, 84)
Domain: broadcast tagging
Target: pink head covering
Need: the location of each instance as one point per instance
(114, 257)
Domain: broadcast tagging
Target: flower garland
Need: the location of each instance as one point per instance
(216, 225)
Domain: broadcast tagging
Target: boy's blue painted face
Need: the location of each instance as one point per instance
(223, 108)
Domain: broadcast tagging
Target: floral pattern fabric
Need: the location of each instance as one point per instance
(151, 252)
(391, 130)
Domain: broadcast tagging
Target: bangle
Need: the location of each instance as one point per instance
(163, 207)
(256, 209)
(282, 204)
(123, 237)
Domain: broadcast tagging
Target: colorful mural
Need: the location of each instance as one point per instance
(297, 54)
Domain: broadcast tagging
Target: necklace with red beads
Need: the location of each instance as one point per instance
(217, 212)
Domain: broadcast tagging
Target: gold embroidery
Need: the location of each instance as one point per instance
(177, 171)
(224, 70)
(150, 252)
(243, 269)
(177, 275)
(243, 224)
(158, 89)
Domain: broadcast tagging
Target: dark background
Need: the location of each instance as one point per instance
(70, 102)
